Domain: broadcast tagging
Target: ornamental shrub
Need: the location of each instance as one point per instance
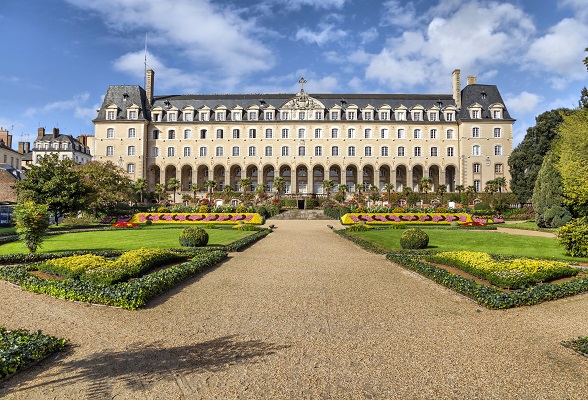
(482, 206)
(414, 238)
(241, 208)
(554, 217)
(398, 210)
(162, 209)
(574, 237)
(203, 209)
(193, 236)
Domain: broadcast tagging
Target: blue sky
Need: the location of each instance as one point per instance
(60, 56)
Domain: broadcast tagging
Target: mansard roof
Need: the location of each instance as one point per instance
(123, 97)
(484, 95)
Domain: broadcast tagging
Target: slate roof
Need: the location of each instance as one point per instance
(116, 95)
(485, 95)
(12, 171)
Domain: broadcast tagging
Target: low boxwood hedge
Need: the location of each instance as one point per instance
(20, 348)
(489, 296)
(130, 295)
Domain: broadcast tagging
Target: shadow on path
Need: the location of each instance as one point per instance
(144, 364)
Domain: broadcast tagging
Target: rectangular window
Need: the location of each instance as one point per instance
(497, 132)
(236, 116)
(301, 133)
(450, 134)
(285, 133)
(252, 116)
(335, 151)
(367, 133)
(401, 134)
(475, 113)
(285, 151)
(171, 151)
(351, 151)
(318, 133)
(432, 116)
(235, 151)
(400, 151)
(130, 168)
(171, 134)
(318, 151)
(203, 152)
(384, 151)
(450, 152)
(171, 117)
(334, 133)
(268, 151)
(110, 115)
(155, 134)
(367, 151)
(220, 116)
(269, 115)
(318, 115)
(384, 133)
(110, 133)
(367, 115)
(302, 115)
(477, 186)
(475, 132)
(219, 151)
(334, 115)
(417, 133)
(350, 115)
(498, 150)
(188, 116)
(109, 150)
(236, 133)
(351, 133)
(449, 116)
(220, 134)
(252, 151)
(498, 168)
(400, 116)
(187, 152)
(301, 151)
(252, 133)
(416, 116)
(269, 133)
(496, 114)
(204, 116)
(131, 150)
(384, 115)
(155, 152)
(188, 134)
(433, 152)
(417, 151)
(285, 115)
(476, 168)
(132, 114)
(433, 133)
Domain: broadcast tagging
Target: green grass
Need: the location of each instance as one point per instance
(485, 241)
(529, 226)
(5, 231)
(124, 239)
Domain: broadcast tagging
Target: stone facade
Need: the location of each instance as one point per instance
(463, 138)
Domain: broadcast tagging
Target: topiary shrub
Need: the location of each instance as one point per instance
(482, 206)
(203, 209)
(162, 209)
(574, 237)
(193, 236)
(414, 238)
(398, 210)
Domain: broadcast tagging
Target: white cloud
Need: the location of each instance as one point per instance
(560, 52)
(450, 40)
(327, 33)
(399, 13)
(60, 105)
(368, 36)
(523, 102)
(318, 4)
(197, 30)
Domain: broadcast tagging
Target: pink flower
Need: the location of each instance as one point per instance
(463, 218)
(155, 217)
(354, 218)
(437, 218)
(142, 218)
(181, 217)
(450, 218)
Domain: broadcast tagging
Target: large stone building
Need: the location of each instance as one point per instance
(461, 138)
(65, 146)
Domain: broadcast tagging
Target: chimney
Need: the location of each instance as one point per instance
(149, 82)
(40, 133)
(55, 133)
(6, 138)
(21, 147)
(471, 80)
(83, 139)
(456, 87)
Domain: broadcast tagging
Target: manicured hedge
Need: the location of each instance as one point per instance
(130, 295)
(489, 296)
(20, 348)
(6, 259)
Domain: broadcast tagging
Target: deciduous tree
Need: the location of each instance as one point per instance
(107, 184)
(32, 222)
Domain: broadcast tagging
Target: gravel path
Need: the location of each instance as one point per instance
(303, 314)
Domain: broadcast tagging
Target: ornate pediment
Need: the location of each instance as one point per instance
(302, 101)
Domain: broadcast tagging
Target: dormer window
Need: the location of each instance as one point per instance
(269, 115)
(204, 115)
(367, 115)
(236, 115)
(302, 115)
(497, 114)
(400, 116)
(475, 114)
(384, 115)
(172, 116)
(449, 116)
(416, 116)
(433, 116)
(350, 115)
(220, 116)
(318, 115)
(132, 114)
(334, 115)
(252, 116)
(110, 115)
(285, 115)
(188, 116)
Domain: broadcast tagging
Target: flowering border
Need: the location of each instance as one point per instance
(199, 218)
(416, 218)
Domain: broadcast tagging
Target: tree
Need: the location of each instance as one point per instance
(107, 185)
(470, 191)
(491, 188)
(195, 189)
(342, 189)
(173, 184)
(244, 183)
(328, 185)
(441, 190)
(572, 149)
(526, 159)
(186, 198)
(548, 195)
(210, 185)
(425, 185)
(159, 190)
(279, 185)
(56, 183)
(389, 188)
(32, 221)
(459, 188)
(140, 186)
(360, 187)
(585, 61)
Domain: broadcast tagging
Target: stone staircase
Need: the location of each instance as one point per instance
(302, 214)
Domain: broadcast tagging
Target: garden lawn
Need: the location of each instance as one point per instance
(528, 225)
(123, 239)
(486, 241)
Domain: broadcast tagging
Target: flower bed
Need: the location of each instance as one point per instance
(125, 225)
(199, 218)
(20, 348)
(515, 273)
(489, 296)
(408, 218)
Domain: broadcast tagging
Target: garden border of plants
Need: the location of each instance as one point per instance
(484, 295)
(20, 349)
(579, 345)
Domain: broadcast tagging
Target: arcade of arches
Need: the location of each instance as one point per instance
(303, 179)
